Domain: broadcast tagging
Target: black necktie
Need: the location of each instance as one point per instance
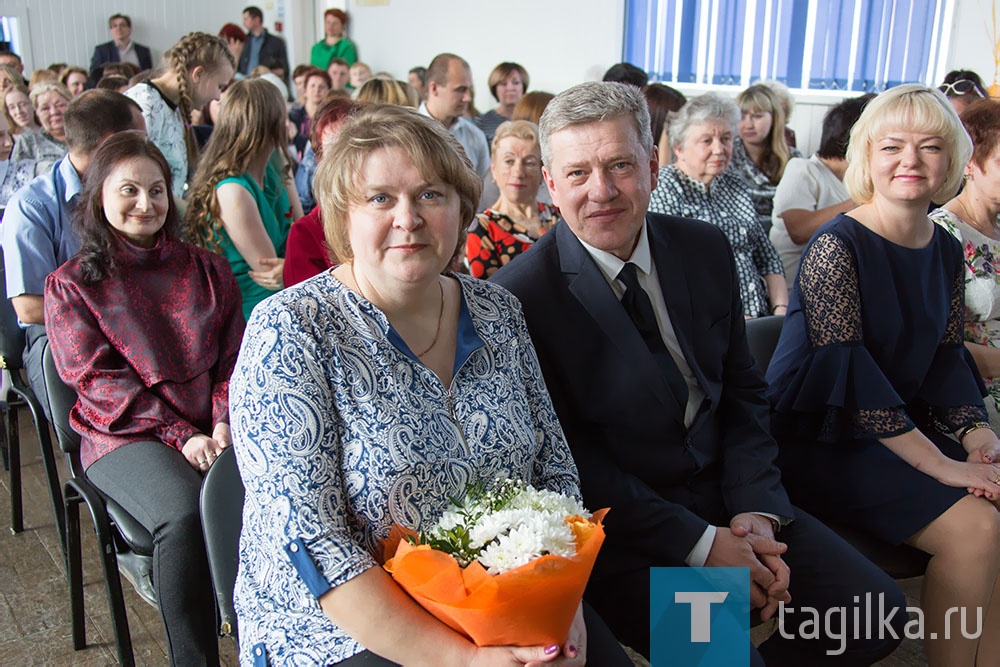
(640, 309)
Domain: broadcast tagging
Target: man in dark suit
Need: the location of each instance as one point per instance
(261, 47)
(638, 326)
(121, 48)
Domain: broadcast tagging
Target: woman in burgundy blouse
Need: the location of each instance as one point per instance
(306, 251)
(146, 329)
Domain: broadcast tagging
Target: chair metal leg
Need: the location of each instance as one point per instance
(14, 471)
(109, 563)
(3, 435)
(48, 458)
(74, 569)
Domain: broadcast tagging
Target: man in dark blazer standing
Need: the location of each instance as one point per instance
(261, 47)
(659, 397)
(120, 48)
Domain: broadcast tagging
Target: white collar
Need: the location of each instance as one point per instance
(611, 266)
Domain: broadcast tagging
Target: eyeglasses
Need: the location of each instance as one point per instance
(960, 87)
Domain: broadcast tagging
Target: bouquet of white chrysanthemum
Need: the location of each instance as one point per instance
(506, 565)
(506, 526)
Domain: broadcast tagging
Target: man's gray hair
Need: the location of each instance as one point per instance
(707, 108)
(592, 102)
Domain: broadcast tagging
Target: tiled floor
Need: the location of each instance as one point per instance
(35, 626)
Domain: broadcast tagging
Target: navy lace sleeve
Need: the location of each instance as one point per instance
(953, 388)
(839, 392)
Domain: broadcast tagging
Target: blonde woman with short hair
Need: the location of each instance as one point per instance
(877, 406)
(517, 219)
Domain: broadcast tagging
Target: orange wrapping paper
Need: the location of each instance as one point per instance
(532, 605)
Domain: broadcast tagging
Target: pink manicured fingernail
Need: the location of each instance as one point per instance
(549, 650)
(572, 651)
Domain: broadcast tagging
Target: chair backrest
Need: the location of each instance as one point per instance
(11, 335)
(222, 520)
(762, 337)
(61, 399)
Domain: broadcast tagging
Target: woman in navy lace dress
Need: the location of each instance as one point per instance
(870, 378)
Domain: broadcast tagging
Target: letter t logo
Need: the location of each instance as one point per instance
(701, 612)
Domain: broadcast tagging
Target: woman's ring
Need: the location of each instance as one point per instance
(202, 462)
(997, 480)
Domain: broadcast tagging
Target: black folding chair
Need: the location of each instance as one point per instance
(12, 342)
(118, 532)
(221, 504)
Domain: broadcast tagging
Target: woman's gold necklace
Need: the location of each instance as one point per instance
(437, 331)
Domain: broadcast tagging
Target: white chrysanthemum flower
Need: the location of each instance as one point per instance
(497, 559)
(449, 520)
(526, 524)
(487, 529)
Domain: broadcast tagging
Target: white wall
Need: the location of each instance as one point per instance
(970, 46)
(67, 30)
(559, 42)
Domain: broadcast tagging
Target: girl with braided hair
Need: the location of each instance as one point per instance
(198, 68)
(243, 199)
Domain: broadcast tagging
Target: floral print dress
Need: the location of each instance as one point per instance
(982, 286)
(494, 239)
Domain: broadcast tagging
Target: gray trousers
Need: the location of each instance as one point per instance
(155, 484)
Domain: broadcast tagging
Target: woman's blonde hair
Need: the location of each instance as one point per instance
(48, 86)
(11, 75)
(251, 124)
(434, 151)
(910, 107)
(519, 129)
(72, 69)
(40, 76)
(382, 91)
(757, 99)
(195, 49)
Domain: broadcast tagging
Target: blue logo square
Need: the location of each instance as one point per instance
(699, 616)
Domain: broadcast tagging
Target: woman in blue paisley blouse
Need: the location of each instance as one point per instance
(698, 185)
(370, 394)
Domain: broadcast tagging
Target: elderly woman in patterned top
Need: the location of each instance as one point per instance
(699, 186)
(517, 219)
(370, 394)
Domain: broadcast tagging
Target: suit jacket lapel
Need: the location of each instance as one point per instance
(591, 289)
(676, 292)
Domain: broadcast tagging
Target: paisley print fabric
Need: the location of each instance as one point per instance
(761, 186)
(340, 432)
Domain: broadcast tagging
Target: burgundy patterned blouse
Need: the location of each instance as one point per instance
(149, 350)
